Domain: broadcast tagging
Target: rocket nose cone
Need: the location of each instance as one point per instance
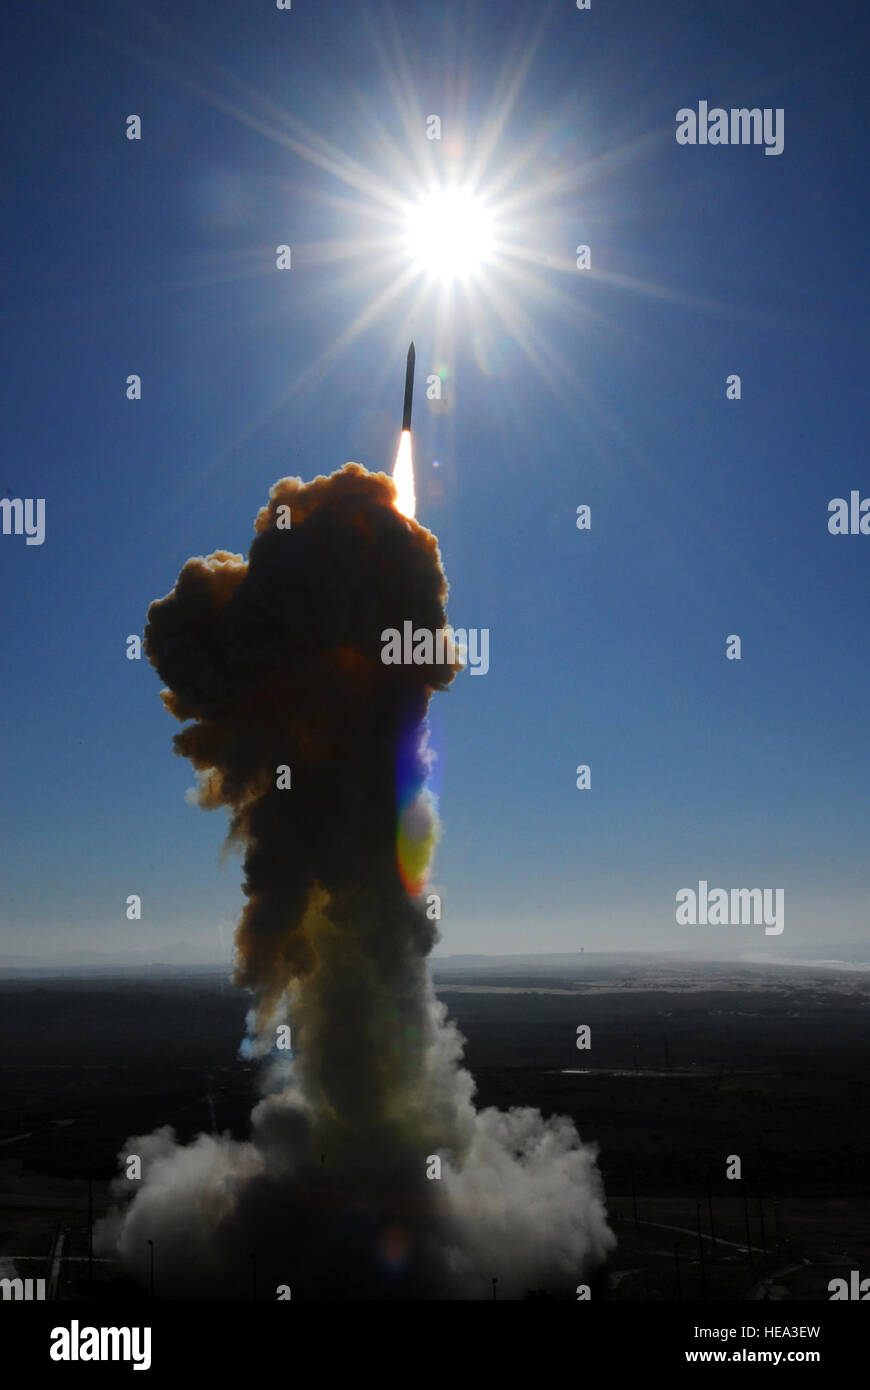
(409, 388)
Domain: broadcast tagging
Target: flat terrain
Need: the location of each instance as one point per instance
(688, 1064)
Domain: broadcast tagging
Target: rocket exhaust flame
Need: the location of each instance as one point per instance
(403, 477)
(403, 473)
(273, 667)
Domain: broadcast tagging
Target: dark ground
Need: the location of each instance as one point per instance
(770, 1064)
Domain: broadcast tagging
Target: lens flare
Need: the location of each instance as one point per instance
(417, 825)
(403, 477)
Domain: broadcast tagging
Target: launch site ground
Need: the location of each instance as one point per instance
(688, 1064)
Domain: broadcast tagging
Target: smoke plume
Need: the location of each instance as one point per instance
(318, 750)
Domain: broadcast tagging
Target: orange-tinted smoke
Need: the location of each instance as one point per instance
(277, 662)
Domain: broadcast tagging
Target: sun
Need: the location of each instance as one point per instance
(450, 235)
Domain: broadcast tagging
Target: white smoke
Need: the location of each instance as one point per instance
(519, 1198)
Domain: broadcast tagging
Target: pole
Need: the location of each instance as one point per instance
(761, 1219)
(52, 1283)
(748, 1234)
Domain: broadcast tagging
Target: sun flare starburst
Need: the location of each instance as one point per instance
(450, 234)
(473, 238)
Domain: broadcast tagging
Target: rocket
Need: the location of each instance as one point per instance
(409, 388)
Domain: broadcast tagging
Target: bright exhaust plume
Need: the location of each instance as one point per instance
(403, 477)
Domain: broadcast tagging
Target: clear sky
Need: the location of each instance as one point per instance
(564, 387)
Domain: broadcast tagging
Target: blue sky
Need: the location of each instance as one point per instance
(709, 517)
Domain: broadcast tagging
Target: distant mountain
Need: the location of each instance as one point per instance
(180, 958)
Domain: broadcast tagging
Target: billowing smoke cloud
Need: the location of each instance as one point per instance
(275, 663)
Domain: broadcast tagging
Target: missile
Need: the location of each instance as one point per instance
(409, 388)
